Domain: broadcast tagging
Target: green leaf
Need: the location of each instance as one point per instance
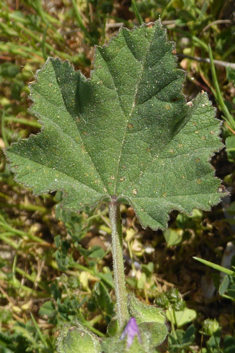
(48, 309)
(143, 312)
(180, 318)
(77, 339)
(230, 74)
(152, 334)
(103, 299)
(230, 148)
(188, 336)
(229, 344)
(182, 339)
(173, 237)
(224, 285)
(214, 341)
(114, 344)
(125, 133)
(96, 251)
(231, 292)
(8, 69)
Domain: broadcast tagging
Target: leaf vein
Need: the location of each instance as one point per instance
(130, 114)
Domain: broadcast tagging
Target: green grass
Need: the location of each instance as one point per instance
(56, 266)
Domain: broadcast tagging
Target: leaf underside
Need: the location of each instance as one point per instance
(125, 132)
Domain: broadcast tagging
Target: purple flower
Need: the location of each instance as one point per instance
(130, 331)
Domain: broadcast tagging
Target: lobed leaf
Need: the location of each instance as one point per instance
(126, 132)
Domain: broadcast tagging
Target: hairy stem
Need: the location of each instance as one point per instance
(118, 265)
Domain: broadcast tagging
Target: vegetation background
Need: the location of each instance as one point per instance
(55, 266)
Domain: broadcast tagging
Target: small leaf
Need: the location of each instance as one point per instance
(148, 269)
(96, 251)
(230, 148)
(173, 237)
(77, 339)
(182, 339)
(230, 74)
(229, 344)
(180, 318)
(8, 69)
(189, 336)
(125, 132)
(224, 285)
(55, 292)
(231, 292)
(214, 341)
(153, 333)
(103, 299)
(143, 312)
(48, 309)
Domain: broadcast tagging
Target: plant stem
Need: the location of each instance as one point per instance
(215, 266)
(136, 12)
(207, 60)
(118, 265)
(23, 121)
(218, 94)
